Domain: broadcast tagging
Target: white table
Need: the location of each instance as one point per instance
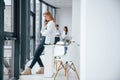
(49, 61)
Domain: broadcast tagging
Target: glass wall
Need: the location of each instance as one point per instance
(8, 16)
(50, 9)
(32, 5)
(54, 13)
(44, 9)
(32, 27)
(31, 36)
(12, 27)
(38, 8)
(8, 59)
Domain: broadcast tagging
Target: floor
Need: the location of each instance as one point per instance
(60, 76)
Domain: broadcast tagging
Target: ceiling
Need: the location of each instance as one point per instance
(60, 3)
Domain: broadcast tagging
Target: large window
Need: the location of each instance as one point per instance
(50, 9)
(31, 36)
(32, 27)
(38, 22)
(20, 18)
(54, 12)
(8, 59)
(32, 5)
(8, 16)
(44, 9)
(9, 41)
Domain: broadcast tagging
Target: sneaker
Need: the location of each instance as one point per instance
(41, 71)
(26, 72)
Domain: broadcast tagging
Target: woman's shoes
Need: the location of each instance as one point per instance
(26, 72)
(29, 72)
(41, 71)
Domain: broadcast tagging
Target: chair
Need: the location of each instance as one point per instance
(62, 61)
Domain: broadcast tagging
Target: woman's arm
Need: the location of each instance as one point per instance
(49, 28)
(43, 28)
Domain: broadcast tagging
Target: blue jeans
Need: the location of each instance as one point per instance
(65, 48)
(38, 53)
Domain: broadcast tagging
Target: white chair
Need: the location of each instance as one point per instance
(62, 60)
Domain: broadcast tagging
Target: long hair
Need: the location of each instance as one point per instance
(50, 15)
(66, 30)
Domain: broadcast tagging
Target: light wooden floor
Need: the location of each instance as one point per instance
(60, 76)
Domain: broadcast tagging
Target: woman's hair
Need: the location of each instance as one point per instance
(49, 14)
(66, 29)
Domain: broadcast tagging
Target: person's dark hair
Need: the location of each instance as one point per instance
(66, 28)
(57, 25)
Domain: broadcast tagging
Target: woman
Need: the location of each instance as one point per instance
(65, 34)
(47, 38)
(65, 38)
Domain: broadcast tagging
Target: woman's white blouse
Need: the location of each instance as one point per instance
(49, 32)
(65, 35)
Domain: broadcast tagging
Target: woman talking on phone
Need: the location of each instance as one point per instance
(48, 35)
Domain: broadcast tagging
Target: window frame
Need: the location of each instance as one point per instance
(16, 35)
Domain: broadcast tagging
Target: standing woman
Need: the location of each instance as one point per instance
(65, 37)
(48, 36)
(65, 34)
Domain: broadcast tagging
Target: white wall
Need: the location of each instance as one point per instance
(64, 18)
(76, 31)
(76, 20)
(100, 40)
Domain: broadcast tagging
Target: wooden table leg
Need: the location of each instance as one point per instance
(75, 71)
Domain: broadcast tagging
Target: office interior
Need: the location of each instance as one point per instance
(93, 25)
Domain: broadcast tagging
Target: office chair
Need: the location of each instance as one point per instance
(62, 61)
